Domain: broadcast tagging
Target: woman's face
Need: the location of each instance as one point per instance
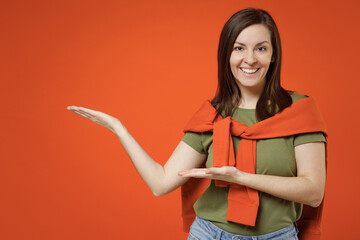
(251, 58)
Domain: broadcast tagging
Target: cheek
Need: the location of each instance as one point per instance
(265, 58)
(233, 68)
(266, 64)
(266, 61)
(234, 62)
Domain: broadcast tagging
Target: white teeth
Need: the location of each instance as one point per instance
(249, 70)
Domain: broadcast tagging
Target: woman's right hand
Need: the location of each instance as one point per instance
(98, 117)
(160, 179)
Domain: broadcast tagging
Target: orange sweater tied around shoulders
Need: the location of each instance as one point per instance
(302, 116)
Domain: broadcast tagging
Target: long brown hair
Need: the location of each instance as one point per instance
(273, 98)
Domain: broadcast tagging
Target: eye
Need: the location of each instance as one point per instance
(261, 49)
(238, 48)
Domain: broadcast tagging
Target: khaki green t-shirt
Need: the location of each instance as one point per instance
(274, 156)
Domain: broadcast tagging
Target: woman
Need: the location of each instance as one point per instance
(281, 162)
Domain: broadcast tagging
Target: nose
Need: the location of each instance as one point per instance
(250, 57)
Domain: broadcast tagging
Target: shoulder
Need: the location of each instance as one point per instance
(306, 137)
(296, 96)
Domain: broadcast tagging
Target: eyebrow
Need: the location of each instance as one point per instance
(260, 43)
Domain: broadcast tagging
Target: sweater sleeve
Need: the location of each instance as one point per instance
(194, 140)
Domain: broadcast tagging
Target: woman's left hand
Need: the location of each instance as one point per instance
(226, 173)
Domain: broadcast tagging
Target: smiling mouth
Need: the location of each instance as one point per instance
(249, 71)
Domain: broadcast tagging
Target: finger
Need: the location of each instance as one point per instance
(197, 173)
(73, 108)
(82, 109)
(84, 114)
(193, 170)
(87, 110)
(215, 170)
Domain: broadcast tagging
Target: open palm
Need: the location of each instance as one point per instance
(98, 117)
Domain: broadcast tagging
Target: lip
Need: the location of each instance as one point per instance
(249, 74)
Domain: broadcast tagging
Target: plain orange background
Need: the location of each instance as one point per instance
(151, 64)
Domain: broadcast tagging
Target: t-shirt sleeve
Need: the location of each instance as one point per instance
(194, 140)
(309, 137)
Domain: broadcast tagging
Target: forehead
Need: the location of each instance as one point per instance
(254, 34)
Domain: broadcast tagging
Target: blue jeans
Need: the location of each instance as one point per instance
(202, 229)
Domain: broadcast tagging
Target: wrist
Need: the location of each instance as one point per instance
(241, 177)
(119, 130)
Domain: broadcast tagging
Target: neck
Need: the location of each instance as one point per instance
(249, 98)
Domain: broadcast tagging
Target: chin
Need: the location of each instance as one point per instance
(251, 84)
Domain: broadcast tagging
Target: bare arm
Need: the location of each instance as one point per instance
(307, 187)
(160, 179)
